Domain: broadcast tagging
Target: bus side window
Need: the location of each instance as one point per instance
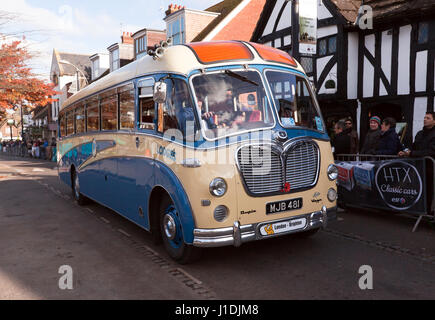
(80, 118)
(126, 107)
(109, 110)
(62, 121)
(92, 115)
(147, 113)
(70, 123)
(178, 111)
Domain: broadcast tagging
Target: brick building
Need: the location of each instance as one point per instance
(227, 20)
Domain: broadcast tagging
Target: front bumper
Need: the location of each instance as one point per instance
(239, 234)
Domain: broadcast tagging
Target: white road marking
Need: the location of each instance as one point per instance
(124, 233)
(105, 220)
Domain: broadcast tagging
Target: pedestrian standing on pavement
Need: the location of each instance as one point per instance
(424, 143)
(354, 142)
(341, 142)
(389, 143)
(373, 136)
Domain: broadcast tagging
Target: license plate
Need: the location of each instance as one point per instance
(283, 227)
(283, 206)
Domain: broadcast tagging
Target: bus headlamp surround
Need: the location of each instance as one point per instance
(332, 172)
(218, 187)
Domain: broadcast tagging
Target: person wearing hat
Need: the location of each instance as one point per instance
(373, 136)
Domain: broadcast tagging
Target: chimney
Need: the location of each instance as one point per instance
(126, 38)
(173, 8)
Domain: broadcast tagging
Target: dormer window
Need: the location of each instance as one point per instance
(95, 68)
(176, 30)
(115, 60)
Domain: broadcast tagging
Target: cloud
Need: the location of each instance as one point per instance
(65, 28)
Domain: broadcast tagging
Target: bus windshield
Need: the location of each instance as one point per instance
(294, 101)
(231, 102)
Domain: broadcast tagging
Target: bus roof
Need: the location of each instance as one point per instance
(183, 59)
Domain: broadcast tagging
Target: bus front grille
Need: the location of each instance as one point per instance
(265, 170)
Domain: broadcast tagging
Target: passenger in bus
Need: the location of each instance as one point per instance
(389, 143)
(373, 136)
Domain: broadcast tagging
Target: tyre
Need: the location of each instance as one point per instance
(78, 197)
(172, 235)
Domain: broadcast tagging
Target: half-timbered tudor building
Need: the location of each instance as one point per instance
(387, 70)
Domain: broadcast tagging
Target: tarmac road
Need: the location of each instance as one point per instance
(42, 229)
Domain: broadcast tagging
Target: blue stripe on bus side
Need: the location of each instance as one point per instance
(125, 184)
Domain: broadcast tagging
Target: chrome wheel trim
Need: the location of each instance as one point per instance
(76, 186)
(169, 226)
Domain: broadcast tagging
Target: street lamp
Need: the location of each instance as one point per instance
(11, 122)
(77, 71)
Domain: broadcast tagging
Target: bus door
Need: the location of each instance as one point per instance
(143, 144)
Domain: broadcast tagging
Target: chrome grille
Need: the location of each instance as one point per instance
(261, 169)
(301, 165)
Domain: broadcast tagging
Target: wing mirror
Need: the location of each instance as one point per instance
(159, 95)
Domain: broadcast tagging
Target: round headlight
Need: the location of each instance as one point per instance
(332, 195)
(332, 172)
(218, 187)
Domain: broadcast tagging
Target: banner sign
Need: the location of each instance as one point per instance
(398, 185)
(308, 26)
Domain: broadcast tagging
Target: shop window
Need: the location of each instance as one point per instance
(423, 33)
(307, 64)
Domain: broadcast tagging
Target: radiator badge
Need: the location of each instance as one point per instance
(286, 188)
(316, 198)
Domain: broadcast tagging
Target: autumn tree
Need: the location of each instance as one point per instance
(18, 85)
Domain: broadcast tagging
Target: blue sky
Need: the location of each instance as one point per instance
(82, 26)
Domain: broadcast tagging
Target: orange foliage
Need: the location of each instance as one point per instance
(18, 85)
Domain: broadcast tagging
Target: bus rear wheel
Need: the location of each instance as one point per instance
(78, 197)
(172, 235)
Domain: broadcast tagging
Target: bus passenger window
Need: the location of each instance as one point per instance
(70, 123)
(62, 125)
(126, 109)
(93, 116)
(80, 118)
(178, 112)
(109, 112)
(147, 113)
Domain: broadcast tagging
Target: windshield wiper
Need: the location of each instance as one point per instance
(242, 78)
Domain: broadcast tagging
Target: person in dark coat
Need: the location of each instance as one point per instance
(354, 141)
(389, 143)
(341, 141)
(373, 136)
(424, 143)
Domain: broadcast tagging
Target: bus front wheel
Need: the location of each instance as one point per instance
(172, 235)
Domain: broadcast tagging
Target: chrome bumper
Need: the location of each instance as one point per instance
(237, 234)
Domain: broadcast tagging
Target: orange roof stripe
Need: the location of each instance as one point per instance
(274, 55)
(219, 51)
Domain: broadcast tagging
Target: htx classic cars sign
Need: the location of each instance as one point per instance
(399, 184)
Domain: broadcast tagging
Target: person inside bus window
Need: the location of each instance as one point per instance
(182, 106)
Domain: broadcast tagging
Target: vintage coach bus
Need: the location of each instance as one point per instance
(203, 145)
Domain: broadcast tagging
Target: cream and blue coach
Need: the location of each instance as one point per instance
(206, 144)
